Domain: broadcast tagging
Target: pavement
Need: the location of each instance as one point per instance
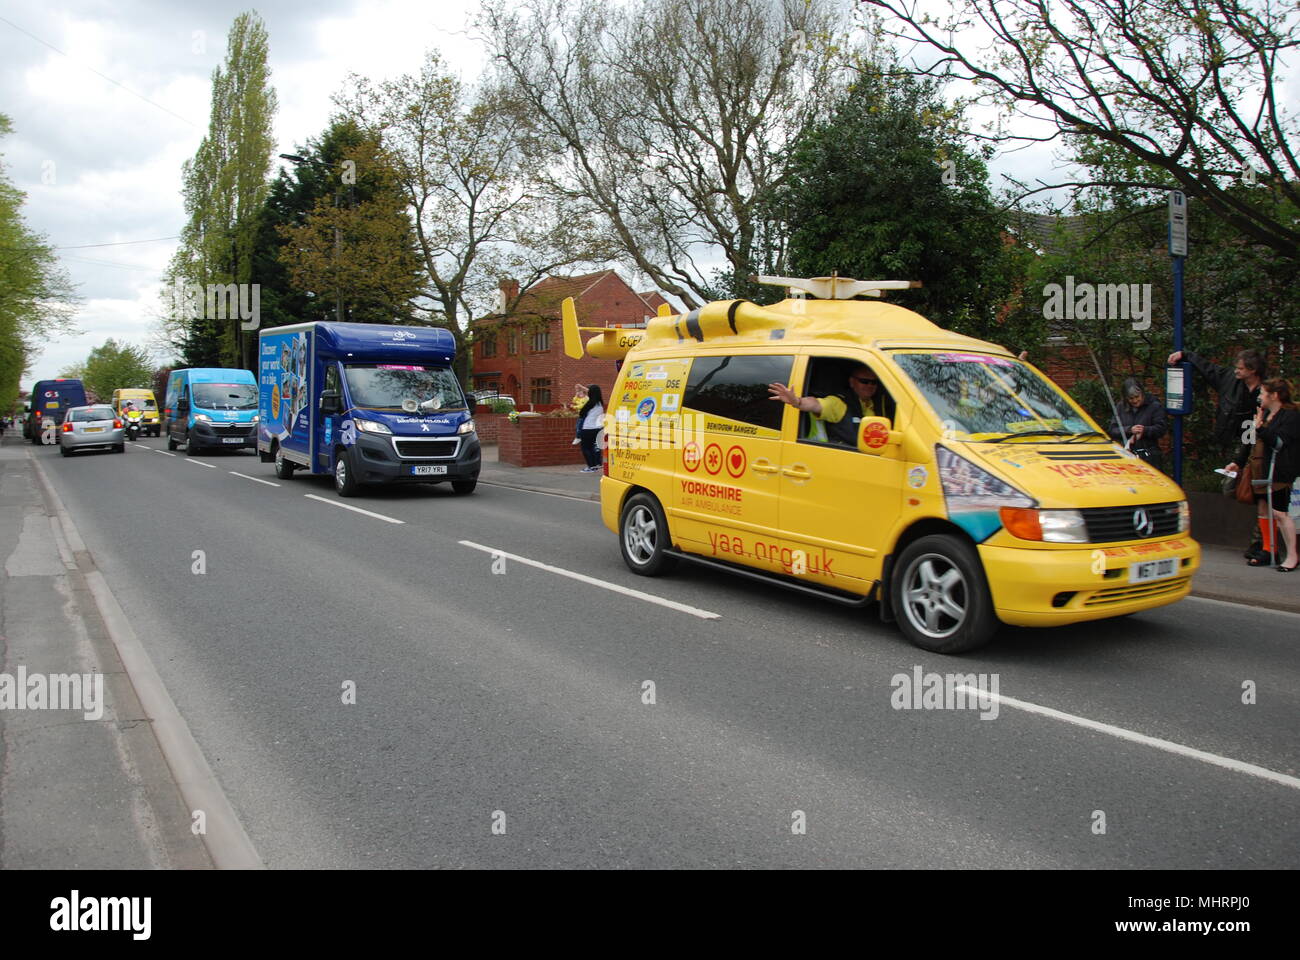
(1224, 574)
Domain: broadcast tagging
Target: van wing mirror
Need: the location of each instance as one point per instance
(875, 435)
(330, 401)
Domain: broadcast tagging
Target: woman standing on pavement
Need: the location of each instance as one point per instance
(590, 420)
(1277, 440)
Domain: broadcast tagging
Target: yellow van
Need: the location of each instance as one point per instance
(143, 400)
(853, 450)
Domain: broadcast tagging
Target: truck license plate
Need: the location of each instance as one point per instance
(427, 471)
(232, 439)
(1152, 570)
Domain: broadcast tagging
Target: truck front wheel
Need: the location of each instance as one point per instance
(345, 478)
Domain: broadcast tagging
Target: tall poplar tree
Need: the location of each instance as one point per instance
(225, 184)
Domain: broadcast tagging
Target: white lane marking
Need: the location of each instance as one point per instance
(1168, 746)
(348, 506)
(199, 463)
(163, 452)
(254, 479)
(603, 584)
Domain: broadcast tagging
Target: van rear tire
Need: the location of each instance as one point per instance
(941, 597)
(283, 468)
(171, 442)
(643, 537)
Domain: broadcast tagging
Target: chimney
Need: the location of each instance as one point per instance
(507, 291)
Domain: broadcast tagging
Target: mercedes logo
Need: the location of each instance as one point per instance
(1142, 523)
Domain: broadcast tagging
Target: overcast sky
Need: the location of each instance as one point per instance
(100, 159)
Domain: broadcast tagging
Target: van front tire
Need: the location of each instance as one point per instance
(941, 597)
(643, 537)
(345, 478)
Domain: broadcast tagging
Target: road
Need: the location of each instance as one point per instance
(517, 698)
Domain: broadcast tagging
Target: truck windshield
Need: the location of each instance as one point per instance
(980, 397)
(225, 396)
(380, 386)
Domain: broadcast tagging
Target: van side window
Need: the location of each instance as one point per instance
(736, 388)
(332, 379)
(829, 377)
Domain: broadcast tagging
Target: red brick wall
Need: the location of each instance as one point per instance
(488, 424)
(539, 442)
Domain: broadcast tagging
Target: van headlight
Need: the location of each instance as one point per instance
(370, 426)
(1184, 516)
(1048, 526)
(203, 416)
(466, 427)
(254, 420)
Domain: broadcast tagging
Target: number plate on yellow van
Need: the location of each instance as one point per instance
(1152, 570)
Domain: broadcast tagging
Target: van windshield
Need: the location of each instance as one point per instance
(140, 403)
(380, 386)
(981, 397)
(224, 396)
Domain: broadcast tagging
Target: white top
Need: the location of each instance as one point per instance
(594, 419)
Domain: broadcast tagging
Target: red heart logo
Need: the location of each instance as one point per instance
(735, 460)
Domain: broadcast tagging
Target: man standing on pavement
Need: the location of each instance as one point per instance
(1238, 390)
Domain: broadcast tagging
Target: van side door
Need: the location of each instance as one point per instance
(725, 495)
(839, 505)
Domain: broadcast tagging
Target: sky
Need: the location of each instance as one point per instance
(108, 99)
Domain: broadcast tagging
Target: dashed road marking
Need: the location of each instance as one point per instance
(254, 479)
(1239, 766)
(200, 463)
(603, 584)
(348, 506)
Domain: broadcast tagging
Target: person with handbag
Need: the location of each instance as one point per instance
(1274, 461)
(1141, 424)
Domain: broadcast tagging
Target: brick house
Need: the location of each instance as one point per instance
(521, 354)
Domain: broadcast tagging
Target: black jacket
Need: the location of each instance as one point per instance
(1236, 401)
(1151, 416)
(845, 430)
(1284, 427)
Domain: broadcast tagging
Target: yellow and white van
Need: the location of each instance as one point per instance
(144, 401)
(971, 491)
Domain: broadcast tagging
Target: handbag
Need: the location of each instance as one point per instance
(1245, 493)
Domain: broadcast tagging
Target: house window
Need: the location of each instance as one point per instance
(489, 344)
(541, 390)
(512, 342)
(541, 341)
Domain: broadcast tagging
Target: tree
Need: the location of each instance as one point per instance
(1184, 89)
(36, 297)
(354, 242)
(113, 366)
(887, 189)
(225, 184)
(670, 120)
(470, 188)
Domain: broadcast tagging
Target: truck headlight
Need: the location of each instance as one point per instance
(370, 426)
(1184, 516)
(1049, 526)
(466, 427)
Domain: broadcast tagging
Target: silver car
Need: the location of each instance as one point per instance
(94, 427)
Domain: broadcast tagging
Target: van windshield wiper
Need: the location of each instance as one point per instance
(1029, 433)
(1087, 433)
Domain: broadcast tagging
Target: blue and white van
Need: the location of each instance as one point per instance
(367, 403)
(210, 407)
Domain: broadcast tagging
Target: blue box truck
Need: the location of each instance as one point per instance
(367, 403)
(209, 408)
(50, 401)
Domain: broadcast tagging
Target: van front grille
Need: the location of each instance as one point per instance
(1144, 522)
(1136, 591)
(426, 449)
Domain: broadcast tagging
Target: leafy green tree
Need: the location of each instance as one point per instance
(887, 189)
(225, 184)
(116, 366)
(36, 297)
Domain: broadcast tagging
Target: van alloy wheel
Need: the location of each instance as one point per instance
(934, 596)
(640, 534)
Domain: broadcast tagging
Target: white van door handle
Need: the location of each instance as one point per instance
(763, 466)
(797, 471)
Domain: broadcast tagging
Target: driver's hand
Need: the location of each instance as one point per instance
(779, 391)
